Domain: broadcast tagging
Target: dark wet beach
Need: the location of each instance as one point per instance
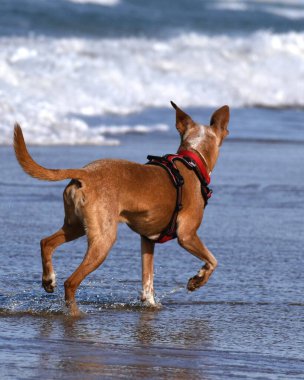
(246, 323)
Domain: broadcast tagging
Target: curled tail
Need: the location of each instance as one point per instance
(35, 170)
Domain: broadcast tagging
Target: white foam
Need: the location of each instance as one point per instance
(283, 2)
(76, 132)
(43, 81)
(22, 53)
(108, 3)
(286, 9)
(231, 5)
(289, 13)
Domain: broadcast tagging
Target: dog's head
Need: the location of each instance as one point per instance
(204, 139)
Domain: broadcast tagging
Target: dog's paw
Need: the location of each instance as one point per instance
(49, 285)
(72, 310)
(147, 299)
(195, 283)
(49, 282)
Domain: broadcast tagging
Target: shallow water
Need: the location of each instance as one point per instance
(247, 322)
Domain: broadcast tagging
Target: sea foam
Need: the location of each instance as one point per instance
(282, 9)
(50, 85)
(107, 3)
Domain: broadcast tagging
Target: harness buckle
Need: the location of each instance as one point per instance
(190, 162)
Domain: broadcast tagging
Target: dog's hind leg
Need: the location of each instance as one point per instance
(49, 244)
(100, 240)
(147, 257)
(192, 243)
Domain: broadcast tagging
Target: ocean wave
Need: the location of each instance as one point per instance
(99, 2)
(120, 18)
(289, 13)
(43, 81)
(291, 10)
(77, 132)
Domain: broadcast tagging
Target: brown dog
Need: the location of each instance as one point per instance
(106, 192)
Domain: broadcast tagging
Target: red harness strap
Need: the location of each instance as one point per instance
(193, 162)
(186, 154)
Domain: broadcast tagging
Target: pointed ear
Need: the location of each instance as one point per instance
(183, 121)
(220, 119)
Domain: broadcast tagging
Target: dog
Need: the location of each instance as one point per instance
(106, 192)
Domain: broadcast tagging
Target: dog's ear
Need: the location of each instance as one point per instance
(220, 119)
(183, 121)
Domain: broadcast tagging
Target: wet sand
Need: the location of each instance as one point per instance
(246, 323)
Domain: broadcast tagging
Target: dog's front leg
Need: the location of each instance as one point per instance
(147, 258)
(192, 243)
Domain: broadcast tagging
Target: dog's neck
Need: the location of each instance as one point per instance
(199, 154)
(207, 156)
(203, 159)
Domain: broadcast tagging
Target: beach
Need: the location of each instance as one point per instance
(246, 322)
(92, 79)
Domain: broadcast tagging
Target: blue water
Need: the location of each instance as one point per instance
(148, 18)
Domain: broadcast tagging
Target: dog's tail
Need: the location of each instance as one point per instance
(35, 170)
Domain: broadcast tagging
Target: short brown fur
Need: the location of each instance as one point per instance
(106, 192)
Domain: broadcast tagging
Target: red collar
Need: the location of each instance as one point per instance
(196, 158)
